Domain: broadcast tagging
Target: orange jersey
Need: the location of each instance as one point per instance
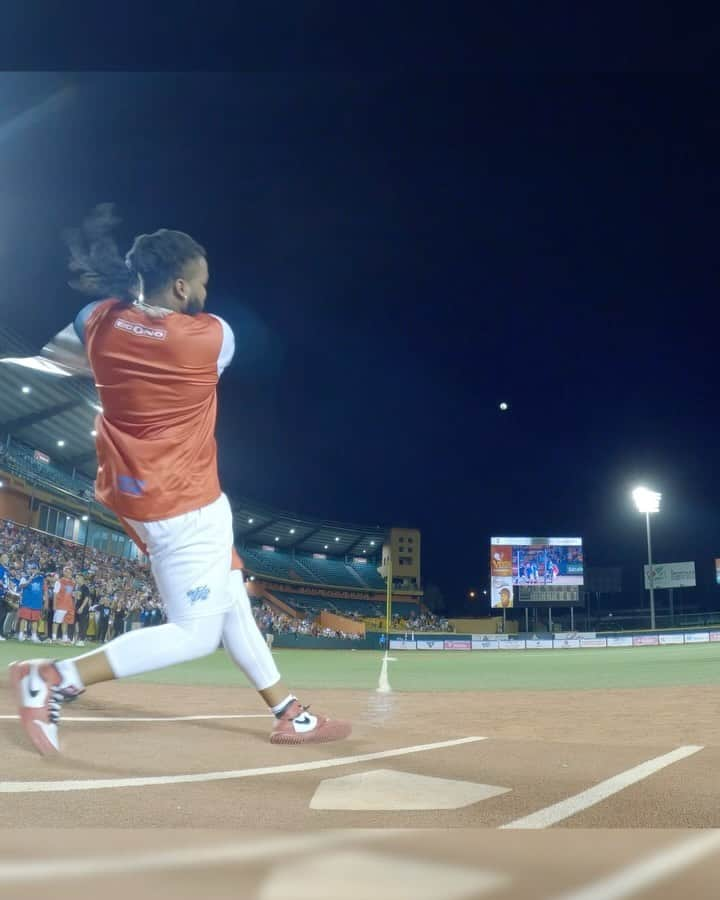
(64, 592)
(157, 380)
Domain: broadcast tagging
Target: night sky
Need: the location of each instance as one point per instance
(397, 255)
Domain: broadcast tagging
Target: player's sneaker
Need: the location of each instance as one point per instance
(80, 644)
(36, 685)
(298, 726)
(1, 638)
(21, 636)
(35, 639)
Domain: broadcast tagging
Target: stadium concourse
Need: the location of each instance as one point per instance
(583, 774)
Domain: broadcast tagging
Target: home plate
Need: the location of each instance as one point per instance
(387, 789)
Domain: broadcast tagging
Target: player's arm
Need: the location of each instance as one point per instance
(227, 346)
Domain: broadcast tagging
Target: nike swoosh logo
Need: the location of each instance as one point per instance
(33, 693)
(304, 721)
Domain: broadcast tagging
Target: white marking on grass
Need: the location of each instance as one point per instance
(551, 815)
(383, 682)
(111, 719)
(642, 875)
(98, 784)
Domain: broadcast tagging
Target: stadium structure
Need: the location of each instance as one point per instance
(301, 566)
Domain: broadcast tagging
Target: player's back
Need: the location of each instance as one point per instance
(157, 379)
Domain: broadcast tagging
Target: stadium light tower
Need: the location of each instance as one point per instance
(647, 502)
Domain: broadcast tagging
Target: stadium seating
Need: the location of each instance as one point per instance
(331, 572)
(368, 575)
(275, 565)
(342, 605)
(22, 460)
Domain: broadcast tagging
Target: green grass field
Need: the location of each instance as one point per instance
(546, 670)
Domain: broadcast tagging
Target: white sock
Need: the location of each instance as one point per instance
(277, 710)
(69, 675)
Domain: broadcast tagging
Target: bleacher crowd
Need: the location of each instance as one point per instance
(270, 621)
(110, 594)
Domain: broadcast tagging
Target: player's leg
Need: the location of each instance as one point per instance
(190, 561)
(243, 641)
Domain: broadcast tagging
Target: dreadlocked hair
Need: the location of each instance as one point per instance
(153, 261)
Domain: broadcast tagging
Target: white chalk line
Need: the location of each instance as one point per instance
(182, 858)
(551, 815)
(642, 875)
(108, 720)
(46, 787)
(383, 681)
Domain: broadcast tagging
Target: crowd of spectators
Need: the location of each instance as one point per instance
(118, 594)
(424, 621)
(272, 622)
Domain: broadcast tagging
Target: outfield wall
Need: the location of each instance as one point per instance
(499, 642)
(574, 641)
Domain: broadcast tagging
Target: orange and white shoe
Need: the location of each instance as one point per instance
(298, 726)
(36, 685)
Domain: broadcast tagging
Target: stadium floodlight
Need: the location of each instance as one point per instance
(93, 433)
(25, 389)
(337, 538)
(326, 546)
(61, 443)
(277, 538)
(250, 521)
(252, 578)
(85, 518)
(2, 484)
(372, 543)
(292, 531)
(647, 502)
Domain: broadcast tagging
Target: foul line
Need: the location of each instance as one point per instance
(111, 719)
(642, 875)
(551, 815)
(182, 858)
(383, 682)
(44, 787)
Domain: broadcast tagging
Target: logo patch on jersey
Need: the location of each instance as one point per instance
(157, 334)
(198, 593)
(129, 485)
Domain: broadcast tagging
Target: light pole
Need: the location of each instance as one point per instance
(647, 502)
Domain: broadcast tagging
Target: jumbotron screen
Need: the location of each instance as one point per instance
(533, 561)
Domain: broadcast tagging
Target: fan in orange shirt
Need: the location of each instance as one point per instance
(156, 357)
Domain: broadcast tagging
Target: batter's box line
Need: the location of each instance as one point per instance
(98, 784)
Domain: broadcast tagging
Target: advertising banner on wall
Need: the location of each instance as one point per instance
(430, 645)
(457, 645)
(620, 641)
